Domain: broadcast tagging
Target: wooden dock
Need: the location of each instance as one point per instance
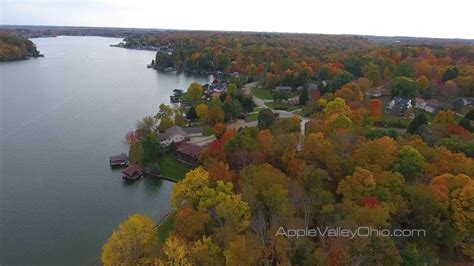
(162, 177)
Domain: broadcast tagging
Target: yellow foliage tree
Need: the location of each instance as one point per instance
(177, 251)
(201, 111)
(133, 243)
(195, 91)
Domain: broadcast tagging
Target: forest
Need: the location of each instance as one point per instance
(14, 47)
(356, 164)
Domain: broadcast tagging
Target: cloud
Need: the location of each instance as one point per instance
(434, 18)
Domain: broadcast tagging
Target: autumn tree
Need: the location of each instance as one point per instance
(304, 97)
(264, 188)
(219, 130)
(450, 73)
(206, 252)
(215, 114)
(177, 251)
(202, 111)
(266, 118)
(372, 72)
(189, 223)
(133, 243)
(320, 151)
(376, 110)
(195, 91)
(378, 154)
(409, 163)
(419, 120)
(457, 193)
(404, 87)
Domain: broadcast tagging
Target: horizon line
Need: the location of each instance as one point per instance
(236, 31)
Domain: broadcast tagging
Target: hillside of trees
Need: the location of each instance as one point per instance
(348, 170)
(14, 47)
(295, 59)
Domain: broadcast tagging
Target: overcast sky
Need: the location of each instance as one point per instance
(421, 18)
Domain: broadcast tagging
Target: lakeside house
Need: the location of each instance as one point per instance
(430, 106)
(177, 134)
(215, 87)
(188, 152)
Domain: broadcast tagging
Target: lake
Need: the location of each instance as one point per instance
(62, 116)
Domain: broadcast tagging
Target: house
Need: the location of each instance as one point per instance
(467, 101)
(286, 89)
(314, 92)
(327, 82)
(378, 92)
(430, 106)
(293, 100)
(399, 105)
(188, 152)
(176, 134)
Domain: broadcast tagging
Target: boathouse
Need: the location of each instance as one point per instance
(133, 172)
(117, 160)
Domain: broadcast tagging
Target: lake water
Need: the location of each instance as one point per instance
(61, 117)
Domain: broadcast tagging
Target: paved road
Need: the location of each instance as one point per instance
(247, 89)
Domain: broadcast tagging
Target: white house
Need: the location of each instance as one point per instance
(398, 105)
(177, 134)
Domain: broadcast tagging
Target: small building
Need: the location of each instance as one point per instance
(430, 106)
(399, 105)
(188, 152)
(177, 134)
(314, 92)
(118, 160)
(466, 101)
(293, 100)
(286, 89)
(133, 172)
(378, 92)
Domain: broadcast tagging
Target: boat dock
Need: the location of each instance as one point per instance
(150, 173)
(118, 160)
(133, 172)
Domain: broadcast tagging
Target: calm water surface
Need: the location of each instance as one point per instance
(61, 117)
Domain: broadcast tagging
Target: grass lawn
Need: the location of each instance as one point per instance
(165, 228)
(185, 96)
(253, 117)
(262, 93)
(172, 168)
(289, 108)
(207, 130)
(391, 120)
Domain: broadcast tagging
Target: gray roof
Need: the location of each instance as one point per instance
(283, 88)
(313, 86)
(175, 130)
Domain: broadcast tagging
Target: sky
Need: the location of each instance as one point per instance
(419, 18)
